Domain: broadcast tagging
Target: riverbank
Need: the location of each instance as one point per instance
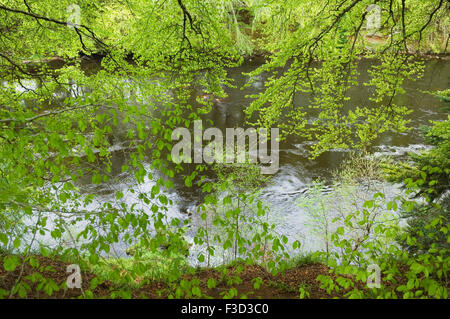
(93, 62)
(272, 287)
(47, 280)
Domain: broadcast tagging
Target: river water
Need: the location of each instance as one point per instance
(297, 171)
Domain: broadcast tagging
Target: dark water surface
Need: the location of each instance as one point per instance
(296, 171)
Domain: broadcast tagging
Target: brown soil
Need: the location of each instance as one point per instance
(51, 269)
(281, 286)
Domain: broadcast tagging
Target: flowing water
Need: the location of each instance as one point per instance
(296, 171)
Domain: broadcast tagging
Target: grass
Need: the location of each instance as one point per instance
(140, 269)
(305, 259)
(281, 286)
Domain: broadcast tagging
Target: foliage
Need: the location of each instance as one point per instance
(69, 129)
(417, 220)
(355, 182)
(314, 60)
(403, 275)
(428, 173)
(142, 269)
(237, 220)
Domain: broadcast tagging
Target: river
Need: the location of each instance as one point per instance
(296, 172)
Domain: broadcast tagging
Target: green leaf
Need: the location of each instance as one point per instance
(211, 283)
(16, 243)
(11, 262)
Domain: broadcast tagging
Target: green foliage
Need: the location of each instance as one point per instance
(61, 121)
(413, 260)
(142, 269)
(428, 173)
(59, 127)
(304, 289)
(403, 275)
(235, 219)
(421, 216)
(313, 60)
(303, 259)
(355, 197)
